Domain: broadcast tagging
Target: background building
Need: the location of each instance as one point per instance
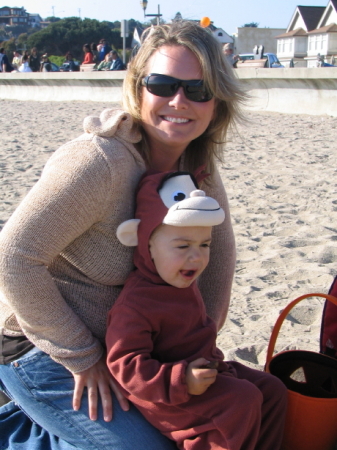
(246, 38)
(13, 16)
(312, 31)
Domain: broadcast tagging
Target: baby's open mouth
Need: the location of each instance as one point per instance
(188, 273)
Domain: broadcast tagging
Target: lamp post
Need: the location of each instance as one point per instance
(144, 6)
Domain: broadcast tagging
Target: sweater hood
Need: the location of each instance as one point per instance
(113, 123)
(171, 198)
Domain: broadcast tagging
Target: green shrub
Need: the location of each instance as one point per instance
(59, 60)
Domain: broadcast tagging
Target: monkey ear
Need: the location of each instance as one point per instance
(127, 232)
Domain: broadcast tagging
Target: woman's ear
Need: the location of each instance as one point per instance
(127, 232)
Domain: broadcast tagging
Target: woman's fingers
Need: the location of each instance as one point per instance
(106, 397)
(124, 403)
(78, 392)
(99, 383)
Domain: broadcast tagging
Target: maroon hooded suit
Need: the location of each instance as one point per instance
(155, 330)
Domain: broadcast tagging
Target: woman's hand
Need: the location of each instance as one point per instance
(98, 381)
(199, 377)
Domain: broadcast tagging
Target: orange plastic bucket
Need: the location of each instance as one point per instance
(311, 380)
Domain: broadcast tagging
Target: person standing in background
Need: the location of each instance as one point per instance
(16, 63)
(45, 64)
(34, 60)
(5, 65)
(88, 56)
(117, 63)
(229, 53)
(94, 51)
(104, 49)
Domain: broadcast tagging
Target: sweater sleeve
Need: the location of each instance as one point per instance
(88, 59)
(215, 283)
(129, 347)
(72, 194)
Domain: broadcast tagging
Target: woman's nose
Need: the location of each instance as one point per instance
(179, 100)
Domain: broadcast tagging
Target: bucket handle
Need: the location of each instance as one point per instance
(284, 314)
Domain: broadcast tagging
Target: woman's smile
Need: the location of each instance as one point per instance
(175, 119)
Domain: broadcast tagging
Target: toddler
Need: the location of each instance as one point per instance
(162, 345)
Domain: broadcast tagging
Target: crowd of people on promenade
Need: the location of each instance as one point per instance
(101, 56)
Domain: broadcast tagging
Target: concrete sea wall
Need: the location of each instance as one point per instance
(297, 91)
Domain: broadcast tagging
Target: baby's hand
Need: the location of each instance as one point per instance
(199, 377)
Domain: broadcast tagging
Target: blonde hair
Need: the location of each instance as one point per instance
(218, 79)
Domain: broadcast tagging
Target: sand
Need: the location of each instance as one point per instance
(280, 175)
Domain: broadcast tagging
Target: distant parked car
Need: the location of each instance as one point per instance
(272, 60)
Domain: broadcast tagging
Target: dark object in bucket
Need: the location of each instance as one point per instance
(307, 373)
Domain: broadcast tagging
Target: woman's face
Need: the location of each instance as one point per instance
(171, 123)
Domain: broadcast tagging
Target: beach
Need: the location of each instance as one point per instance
(279, 171)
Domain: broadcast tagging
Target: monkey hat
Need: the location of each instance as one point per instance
(171, 198)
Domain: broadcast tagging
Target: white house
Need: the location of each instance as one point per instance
(293, 44)
(221, 35)
(312, 31)
(323, 39)
(35, 20)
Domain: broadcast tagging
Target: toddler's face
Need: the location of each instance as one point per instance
(180, 254)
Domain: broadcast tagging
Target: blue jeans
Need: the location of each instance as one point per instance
(43, 389)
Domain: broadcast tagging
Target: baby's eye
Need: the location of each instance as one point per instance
(178, 196)
(206, 245)
(182, 246)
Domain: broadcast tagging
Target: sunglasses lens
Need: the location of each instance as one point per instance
(165, 86)
(162, 86)
(196, 92)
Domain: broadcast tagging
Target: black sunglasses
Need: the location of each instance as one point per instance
(165, 86)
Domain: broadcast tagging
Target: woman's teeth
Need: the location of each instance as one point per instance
(176, 119)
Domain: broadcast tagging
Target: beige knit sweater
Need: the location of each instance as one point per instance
(61, 265)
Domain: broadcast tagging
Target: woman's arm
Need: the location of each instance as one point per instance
(215, 283)
(68, 199)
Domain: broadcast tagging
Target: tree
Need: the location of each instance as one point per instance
(9, 46)
(71, 33)
(177, 17)
(52, 19)
(21, 41)
(251, 25)
(133, 24)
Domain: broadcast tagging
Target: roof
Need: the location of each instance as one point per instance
(334, 4)
(297, 32)
(311, 15)
(332, 28)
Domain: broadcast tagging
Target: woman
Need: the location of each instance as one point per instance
(106, 64)
(45, 65)
(24, 67)
(34, 60)
(88, 56)
(68, 64)
(61, 265)
(94, 51)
